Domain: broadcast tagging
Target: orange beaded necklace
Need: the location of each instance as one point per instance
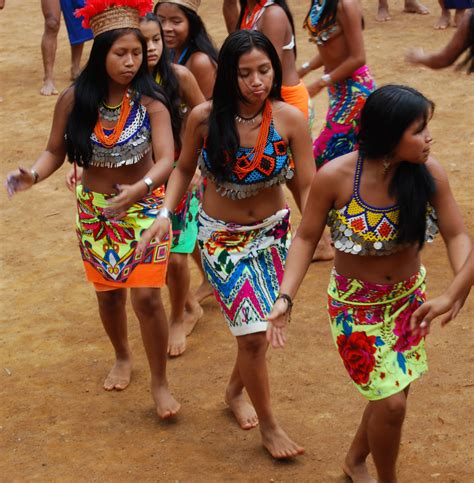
(249, 18)
(244, 165)
(110, 140)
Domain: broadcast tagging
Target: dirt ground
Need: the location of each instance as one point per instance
(56, 421)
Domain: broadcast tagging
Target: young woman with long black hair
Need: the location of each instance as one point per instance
(274, 19)
(245, 134)
(381, 203)
(188, 40)
(335, 26)
(110, 122)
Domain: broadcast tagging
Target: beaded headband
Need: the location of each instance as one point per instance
(191, 4)
(104, 15)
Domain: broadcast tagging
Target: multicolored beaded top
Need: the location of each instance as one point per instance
(265, 165)
(131, 146)
(361, 229)
(320, 32)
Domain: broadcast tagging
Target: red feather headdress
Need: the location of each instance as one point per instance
(104, 15)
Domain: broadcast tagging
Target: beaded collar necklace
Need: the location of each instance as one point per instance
(118, 113)
(249, 120)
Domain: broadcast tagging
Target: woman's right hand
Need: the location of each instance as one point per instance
(19, 180)
(159, 229)
(72, 179)
(277, 322)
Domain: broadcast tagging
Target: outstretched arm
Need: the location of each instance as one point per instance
(447, 56)
(181, 175)
(302, 153)
(320, 201)
(458, 244)
(230, 9)
(448, 304)
(53, 157)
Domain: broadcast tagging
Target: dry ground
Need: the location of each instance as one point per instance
(56, 422)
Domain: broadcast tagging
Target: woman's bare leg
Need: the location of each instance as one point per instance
(154, 329)
(49, 42)
(355, 466)
(252, 367)
(114, 319)
(76, 53)
(383, 13)
(444, 18)
(384, 430)
(204, 290)
(243, 411)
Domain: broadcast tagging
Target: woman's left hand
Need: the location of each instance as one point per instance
(277, 321)
(126, 197)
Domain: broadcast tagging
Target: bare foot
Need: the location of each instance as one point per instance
(414, 6)
(166, 404)
(458, 16)
(203, 291)
(176, 339)
(243, 411)
(358, 473)
(444, 20)
(48, 89)
(119, 376)
(278, 443)
(191, 318)
(383, 15)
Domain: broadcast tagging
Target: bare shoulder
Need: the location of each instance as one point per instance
(436, 170)
(199, 115)
(287, 113)
(200, 61)
(340, 168)
(274, 14)
(152, 105)
(349, 7)
(66, 97)
(182, 73)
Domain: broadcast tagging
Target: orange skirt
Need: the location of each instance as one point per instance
(108, 246)
(297, 96)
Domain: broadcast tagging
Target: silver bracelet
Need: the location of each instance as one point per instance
(164, 213)
(149, 184)
(35, 175)
(327, 79)
(305, 65)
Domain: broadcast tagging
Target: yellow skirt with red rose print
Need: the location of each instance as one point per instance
(108, 246)
(370, 325)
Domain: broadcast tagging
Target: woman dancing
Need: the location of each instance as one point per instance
(187, 38)
(109, 122)
(335, 26)
(244, 229)
(273, 18)
(381, 205)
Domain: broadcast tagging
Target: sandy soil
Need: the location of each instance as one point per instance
(56, 422)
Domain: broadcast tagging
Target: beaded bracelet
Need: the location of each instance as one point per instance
(289, 302)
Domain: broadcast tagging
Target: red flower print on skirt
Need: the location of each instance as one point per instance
(357, 352)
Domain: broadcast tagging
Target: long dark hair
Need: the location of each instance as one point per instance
(281, 3)
(387, 114)
(223, 138)
(468, 60)
(91, 88)
(198, 38)
(328, 15)
(168, 80)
